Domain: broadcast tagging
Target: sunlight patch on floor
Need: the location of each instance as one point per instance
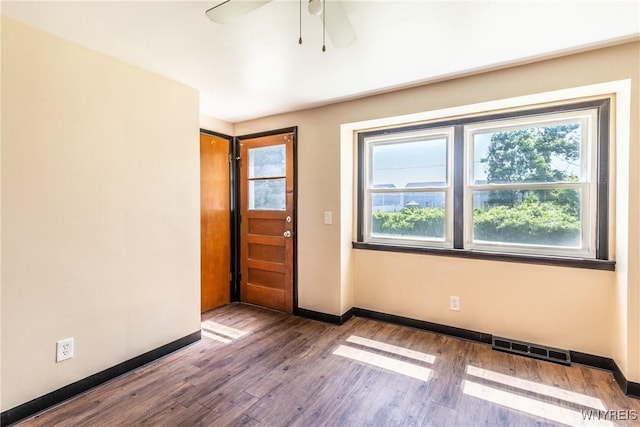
(534, 387)
(389, 363)
(220, 332)
(394, 349)
(210, 335)
(530, 406)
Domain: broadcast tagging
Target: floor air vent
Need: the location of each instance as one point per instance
(531, 350)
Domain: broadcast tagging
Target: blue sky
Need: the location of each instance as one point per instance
(426, 160)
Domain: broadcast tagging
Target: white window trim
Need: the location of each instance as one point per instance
(447, 241)
(587, 184)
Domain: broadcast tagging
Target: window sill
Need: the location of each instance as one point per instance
(594, 264)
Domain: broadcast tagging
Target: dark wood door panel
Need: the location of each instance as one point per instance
(267, 253)
(270, 279)
(267, 279)
(267, 226)
(265, 240)
(267, 297)
(276, 267)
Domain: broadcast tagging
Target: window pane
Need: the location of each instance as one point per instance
(537, 154)
(408, 215)
(266, 162)
(533, 217)
(267, 194)
(410, 164)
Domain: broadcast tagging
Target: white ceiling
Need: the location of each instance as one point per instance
(255, 67)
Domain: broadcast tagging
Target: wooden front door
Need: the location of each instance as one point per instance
(267, 221)
(215, 222)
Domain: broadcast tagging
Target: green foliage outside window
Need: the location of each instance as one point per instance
(529, 222)
(549, 217)
(425, 222)
(527, 155)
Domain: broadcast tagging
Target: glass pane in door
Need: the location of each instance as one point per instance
(267, 162)
(267, 194)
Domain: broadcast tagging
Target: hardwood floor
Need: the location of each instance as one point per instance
(257, 367)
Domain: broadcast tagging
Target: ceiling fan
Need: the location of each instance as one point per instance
(335, 21)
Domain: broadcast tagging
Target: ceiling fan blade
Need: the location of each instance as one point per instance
(230, 10)
(338, 25)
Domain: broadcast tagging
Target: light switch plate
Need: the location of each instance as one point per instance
(328, 218)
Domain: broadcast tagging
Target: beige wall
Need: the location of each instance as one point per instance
(583, 310)
(216, 125)
(100, 211)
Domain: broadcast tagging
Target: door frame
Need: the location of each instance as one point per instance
(235, 211)
(233, 206)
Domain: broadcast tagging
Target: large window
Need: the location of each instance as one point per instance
(532, 183)
(409, 187)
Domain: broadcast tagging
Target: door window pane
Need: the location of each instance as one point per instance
(408, 215)
(267, 162)
(529, 217)
(267, 194)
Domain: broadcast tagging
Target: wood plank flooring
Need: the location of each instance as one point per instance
(256, 367)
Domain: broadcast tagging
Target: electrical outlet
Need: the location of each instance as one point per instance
(454, 303)
(64, 349)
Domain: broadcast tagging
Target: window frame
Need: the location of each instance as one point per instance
(597, 258)
(587, 184)
(369, 190)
